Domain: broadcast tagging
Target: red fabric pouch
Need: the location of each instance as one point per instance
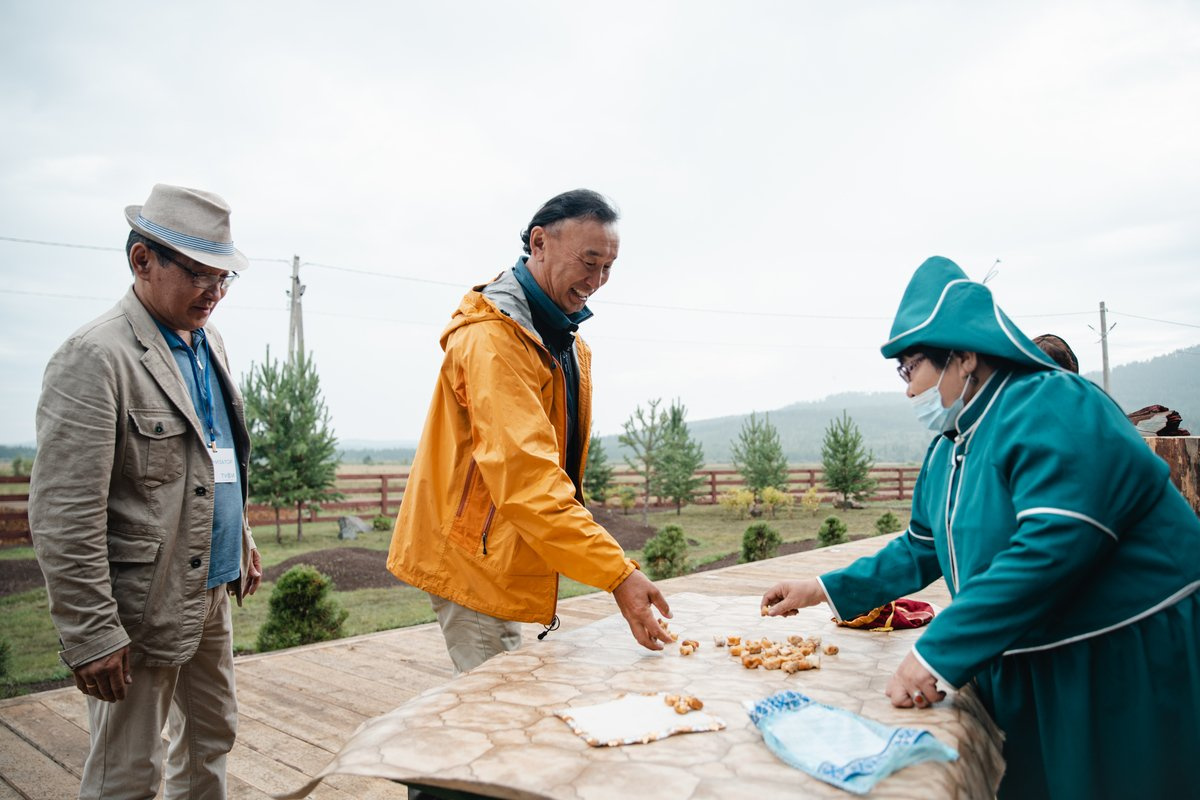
(896, 615)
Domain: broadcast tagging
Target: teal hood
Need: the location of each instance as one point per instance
(944, 308)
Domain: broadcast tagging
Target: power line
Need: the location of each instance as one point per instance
(1153, 319)
(104, 249)
(380, 274)
(740, 313)
(61, 244)
(696, 310)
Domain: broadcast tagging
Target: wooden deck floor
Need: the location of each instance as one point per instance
(298, 706)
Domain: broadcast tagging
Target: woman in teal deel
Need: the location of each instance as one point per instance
(1073, 561)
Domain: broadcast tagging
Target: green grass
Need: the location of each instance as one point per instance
(16, 552)
(33, 638)
(718, 534)
(35, 642)
(316, 536)
(370, 610)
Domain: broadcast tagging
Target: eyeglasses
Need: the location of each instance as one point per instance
(204, 280)
(905, 370)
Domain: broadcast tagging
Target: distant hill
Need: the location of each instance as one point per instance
(377, 455)
(884, 418)
(892, 434)
(1172, 380)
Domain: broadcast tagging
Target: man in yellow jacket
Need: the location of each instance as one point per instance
(493, 511)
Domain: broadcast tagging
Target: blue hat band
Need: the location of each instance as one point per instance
(190, 242)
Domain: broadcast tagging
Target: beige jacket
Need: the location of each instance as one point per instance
(121, 496)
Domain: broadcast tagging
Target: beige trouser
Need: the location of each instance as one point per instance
(471, 637)
(198, 701)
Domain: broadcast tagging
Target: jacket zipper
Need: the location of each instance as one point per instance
(487, 525)
(462, 503)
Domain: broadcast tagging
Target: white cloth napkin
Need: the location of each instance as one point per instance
(634, 719)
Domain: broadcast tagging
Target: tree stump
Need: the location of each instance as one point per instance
(1182, 453)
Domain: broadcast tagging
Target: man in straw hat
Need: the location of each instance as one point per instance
(137, 507)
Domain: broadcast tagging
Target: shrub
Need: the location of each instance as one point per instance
(811, 501)
(832, 531)
(737, 502)
(665, 555)
(382, 522)
(628, 497)
(887, 523)
(301, 611)
(777, 501)
(758, 542)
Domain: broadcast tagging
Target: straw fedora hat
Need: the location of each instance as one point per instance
(189, 221)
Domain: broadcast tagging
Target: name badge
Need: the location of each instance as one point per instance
(224, 464)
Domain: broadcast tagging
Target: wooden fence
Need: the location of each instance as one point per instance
(369, 494)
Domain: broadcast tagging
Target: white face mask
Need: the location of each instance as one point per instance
(929, 409)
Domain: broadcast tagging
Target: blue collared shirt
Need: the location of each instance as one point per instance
(225, 559)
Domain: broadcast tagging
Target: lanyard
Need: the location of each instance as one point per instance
(198, 372)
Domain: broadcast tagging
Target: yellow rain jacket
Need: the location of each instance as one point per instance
(490, 518)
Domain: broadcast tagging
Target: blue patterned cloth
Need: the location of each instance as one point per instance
(838, 746)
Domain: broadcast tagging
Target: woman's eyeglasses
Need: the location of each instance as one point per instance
(905, 370)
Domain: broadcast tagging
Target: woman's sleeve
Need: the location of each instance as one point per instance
(908, 564)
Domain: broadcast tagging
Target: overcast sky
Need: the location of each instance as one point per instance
(781, 169)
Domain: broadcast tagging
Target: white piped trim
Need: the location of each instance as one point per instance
(1062, 512)
(954, 467)
(917, 654)
(1040, 357)
(932, 314)
(1170, 601)
(916, 535)
(971, 430)
(829, 599)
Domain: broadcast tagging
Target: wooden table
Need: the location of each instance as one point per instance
(493, 731)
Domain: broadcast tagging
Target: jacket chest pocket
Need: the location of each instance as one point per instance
(132, 563)
(474, 515)
(155, 451)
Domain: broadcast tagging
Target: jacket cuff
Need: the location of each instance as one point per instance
(934, 672)
(85, 652)
(630, 566)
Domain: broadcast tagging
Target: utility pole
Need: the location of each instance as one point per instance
(296, 321)
(1104, 344)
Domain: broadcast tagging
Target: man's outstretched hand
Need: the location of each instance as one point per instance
(637, 597)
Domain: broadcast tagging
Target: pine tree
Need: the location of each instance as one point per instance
(597, 473)
(293, 456)
(681, 456)
(847, 464)
(758, 455)
(644, 437)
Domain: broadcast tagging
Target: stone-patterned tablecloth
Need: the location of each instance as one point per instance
(493, 731)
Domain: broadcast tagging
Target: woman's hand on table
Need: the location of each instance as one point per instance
(785, 597)
(912, 685)
(637, 597)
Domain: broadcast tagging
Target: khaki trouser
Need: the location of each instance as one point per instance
(471, 637)
(196, 699)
